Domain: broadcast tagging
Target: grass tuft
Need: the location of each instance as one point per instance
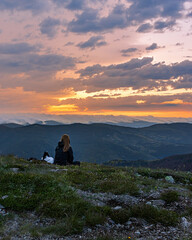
(170, 196)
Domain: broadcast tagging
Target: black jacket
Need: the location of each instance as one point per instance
(63, 158)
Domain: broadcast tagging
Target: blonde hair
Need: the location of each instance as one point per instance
(66, 141)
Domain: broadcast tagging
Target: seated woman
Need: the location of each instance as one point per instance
(64, 152)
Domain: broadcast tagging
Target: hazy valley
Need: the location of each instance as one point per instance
(98, 143)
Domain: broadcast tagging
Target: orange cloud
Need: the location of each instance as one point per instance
(67, 108)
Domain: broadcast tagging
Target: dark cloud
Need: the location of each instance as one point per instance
(93, 42)
(18, 48)
(69, 44)
(136, 14)
(129, 50)
(35, 6)
(31, 62)
(89, 21)
(144, 28)
(133, 63)
(85, 22)
(91, 70)
(75, 4)
(49, 26)
(153, 46)
(141, 10)
(189, 14)
(34, 72)
(161, 25)
(70, 4)
(137, 74)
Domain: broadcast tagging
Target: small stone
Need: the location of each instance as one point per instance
(117, 208)
(158, 202)
(4, 197)
(128, 223)
(89, 230)
(184, 223)
(154, 195)
(118, 225)
(148, 203)
(137, 233)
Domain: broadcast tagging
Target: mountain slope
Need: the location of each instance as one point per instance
(99, 142)
(176, 162)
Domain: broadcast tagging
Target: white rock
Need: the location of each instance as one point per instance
(184, 223)
(137, 175)
(169, 179)
(137, 233)
(4, 197)
(117, 208)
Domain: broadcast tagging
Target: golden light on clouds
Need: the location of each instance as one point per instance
(68, 108)
(125, 92)
(177, 101)
(140, 101)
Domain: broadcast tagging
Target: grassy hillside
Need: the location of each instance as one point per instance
(43, 201)
(181, 162)
(99, 142)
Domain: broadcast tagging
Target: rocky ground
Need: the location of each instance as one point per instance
(17, 227)
(134, 228)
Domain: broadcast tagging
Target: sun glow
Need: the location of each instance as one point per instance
(68, 108)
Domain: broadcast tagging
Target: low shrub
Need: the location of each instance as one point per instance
(155, 215)
(120, 216)
(95, 215)
(170, 196)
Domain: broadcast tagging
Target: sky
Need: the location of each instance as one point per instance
(96, 57)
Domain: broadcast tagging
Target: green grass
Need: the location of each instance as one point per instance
(104, 180)
(147, 212)
(120, 216)
(170, 196)
(35, 188)
(155, 215)
(180, 177)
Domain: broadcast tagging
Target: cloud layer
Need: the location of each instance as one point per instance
(96, 56)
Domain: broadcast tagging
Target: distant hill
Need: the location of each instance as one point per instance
(134, 124)
(11, 125)
(181, 162)
(99, 142)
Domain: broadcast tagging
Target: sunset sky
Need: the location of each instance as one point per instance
(96, 57)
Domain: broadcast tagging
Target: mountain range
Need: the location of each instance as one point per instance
(98, 142)
(121, 120)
